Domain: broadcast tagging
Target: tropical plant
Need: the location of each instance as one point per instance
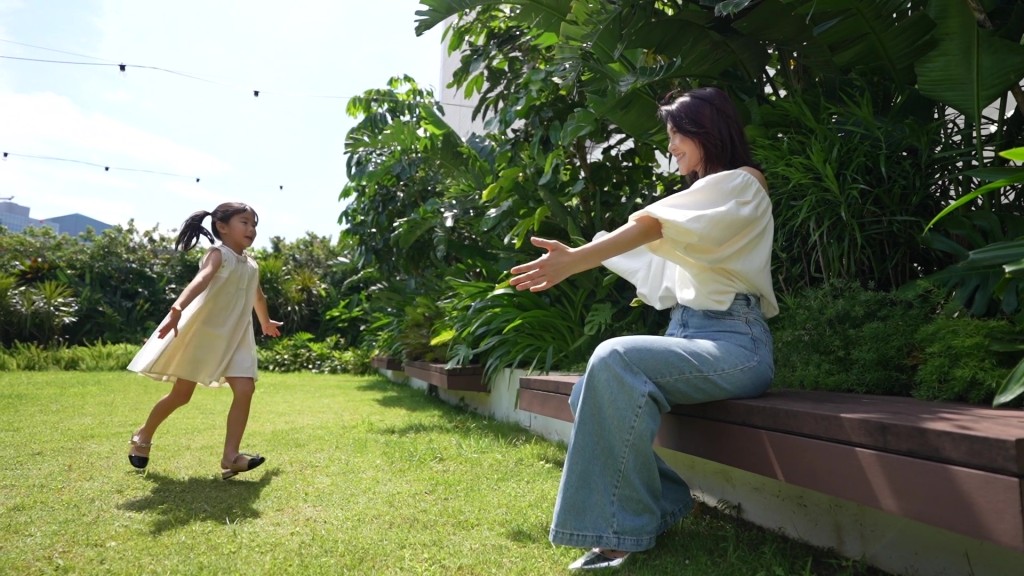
(568, 90)
(851, 190)
(989, 278)
(43, 310)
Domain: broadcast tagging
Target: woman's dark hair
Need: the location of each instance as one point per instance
(193, 227)
(708, 116)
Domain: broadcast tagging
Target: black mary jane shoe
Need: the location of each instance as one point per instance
(137, 460)
(252, 461)
(595, 560)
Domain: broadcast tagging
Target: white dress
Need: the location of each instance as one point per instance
(215, 333)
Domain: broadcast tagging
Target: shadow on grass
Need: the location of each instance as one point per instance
(176, 502)
(457, 419)
(401, 396)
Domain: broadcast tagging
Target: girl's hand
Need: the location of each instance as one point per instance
(170, 324)
(546, 271)
(270, 328)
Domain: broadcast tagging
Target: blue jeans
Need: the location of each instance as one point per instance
(616, 493)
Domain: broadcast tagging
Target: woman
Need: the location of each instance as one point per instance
(705, 253)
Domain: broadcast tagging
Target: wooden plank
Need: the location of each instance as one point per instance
(961, 434)
(545, 404)
(386, 363)
(554, 383)
(975, 503)
(465, 378)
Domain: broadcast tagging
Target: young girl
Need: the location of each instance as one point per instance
(704, 253)
(212, 340)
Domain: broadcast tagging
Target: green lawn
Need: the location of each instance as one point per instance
(363, 477)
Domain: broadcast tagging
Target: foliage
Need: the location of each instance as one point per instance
(988, 279)
(115, 287)
(96, 287)
(44, 309)
(862, 135)
(94, 358)
(958, 362)
(305, 280)
(543, 331)
(850, 190)
(300, 352)
(841, 337)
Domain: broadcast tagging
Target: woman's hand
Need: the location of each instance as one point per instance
(546, 271)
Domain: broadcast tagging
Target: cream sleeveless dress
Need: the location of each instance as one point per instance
(215, 333)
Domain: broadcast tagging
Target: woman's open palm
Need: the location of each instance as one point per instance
(546, 271)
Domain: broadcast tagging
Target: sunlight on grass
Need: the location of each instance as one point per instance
(362, 477)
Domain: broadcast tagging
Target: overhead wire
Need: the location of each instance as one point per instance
(123, 68)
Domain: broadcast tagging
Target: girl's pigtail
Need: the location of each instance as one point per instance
(191, 230)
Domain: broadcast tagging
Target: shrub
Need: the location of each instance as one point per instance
(844, 338)
(957, 361)
(99, 357)
(301, 353)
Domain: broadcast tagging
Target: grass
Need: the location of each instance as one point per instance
(363, 477)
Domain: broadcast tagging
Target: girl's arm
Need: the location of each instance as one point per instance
(560, 262)
(211, 263)
(268, 326)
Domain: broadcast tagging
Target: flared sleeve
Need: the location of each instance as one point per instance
(716, 243)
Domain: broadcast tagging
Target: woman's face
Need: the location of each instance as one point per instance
(686, 151)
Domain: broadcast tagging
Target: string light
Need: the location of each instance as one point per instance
(123, 68)
(105, 167)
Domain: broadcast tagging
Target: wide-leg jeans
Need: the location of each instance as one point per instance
(615, 492)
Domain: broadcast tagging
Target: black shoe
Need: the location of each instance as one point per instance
(595, 560)
(251, 461)
(138, 460)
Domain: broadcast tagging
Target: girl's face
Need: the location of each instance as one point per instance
(686, 151)
(239, 232)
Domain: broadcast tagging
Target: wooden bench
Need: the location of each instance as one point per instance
(386, 363)
(464, 378)
(954, 466)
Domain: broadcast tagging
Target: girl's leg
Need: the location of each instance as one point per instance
(180, 394)
(238, 416)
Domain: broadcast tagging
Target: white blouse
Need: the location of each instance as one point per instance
(716, 243)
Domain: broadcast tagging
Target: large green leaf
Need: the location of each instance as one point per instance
(970, 67)
(1012, 387)
(876, 34)
(544, 15)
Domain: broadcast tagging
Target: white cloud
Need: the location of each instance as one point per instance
(50, 125)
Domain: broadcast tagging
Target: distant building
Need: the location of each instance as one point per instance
(75, 224)
(15, 218)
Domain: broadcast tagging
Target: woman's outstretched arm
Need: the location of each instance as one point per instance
(560, 261)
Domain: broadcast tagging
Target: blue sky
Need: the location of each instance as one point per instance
(282, 152)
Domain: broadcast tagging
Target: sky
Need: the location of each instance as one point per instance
(281, 152)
